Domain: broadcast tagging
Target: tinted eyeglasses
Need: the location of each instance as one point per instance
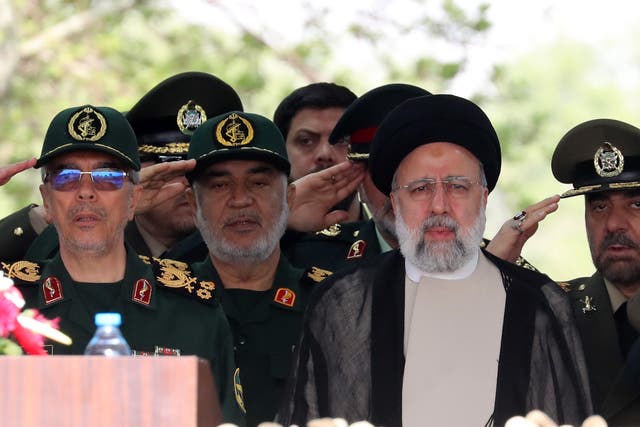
(104, 179)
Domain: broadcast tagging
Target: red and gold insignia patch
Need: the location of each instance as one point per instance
(142, 292)
(357, 249)
(285, 296)
(166, 351)
(52, 290)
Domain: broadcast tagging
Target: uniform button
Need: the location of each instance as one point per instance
(242, 340)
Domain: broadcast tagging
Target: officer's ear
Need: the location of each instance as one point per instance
(291, 194)
(136, 194)
(45, 203)
(191, 199)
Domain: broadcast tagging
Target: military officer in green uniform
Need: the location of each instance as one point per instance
(90, 189)
(163, 121)
(601, 158)
(348, 243)
(240, 195)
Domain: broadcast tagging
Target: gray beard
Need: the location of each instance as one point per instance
(440, 257)
(227, 252)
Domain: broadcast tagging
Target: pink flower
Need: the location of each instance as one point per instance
(31, 342)
(8, 314)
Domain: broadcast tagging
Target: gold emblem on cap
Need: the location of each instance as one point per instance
(190, 116)
(87, 125)
(234, 130)
(608, 161)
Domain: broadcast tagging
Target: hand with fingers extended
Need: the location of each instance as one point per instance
(316, 194)
(163, 181)
(7, 172)
(514, 233)
(540, 419)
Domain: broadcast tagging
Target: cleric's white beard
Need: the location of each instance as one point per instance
(440, 257)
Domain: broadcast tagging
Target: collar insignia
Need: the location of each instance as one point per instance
(608, 161)
(331, 231)
(52, 290)
(285, 296)
(190, 116)
(87, 125)
(357, 249)
(234, 131)
(142, 292)
(587, 304)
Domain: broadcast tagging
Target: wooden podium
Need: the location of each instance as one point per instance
(88, 391)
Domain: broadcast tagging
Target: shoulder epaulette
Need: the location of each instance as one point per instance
(316, 274)
(25, 271)
(176, 276)
(526, 264)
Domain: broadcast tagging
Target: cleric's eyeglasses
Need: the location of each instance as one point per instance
(422, 189)
(104, 179)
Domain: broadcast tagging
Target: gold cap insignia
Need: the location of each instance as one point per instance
(234, 130)
(608, 161)
(190, 116)
(87, 125)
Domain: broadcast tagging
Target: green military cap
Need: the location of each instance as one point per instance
(359, 122)
(237, 135)
(165, 117)
(433, 118)
(89, 128)
(598, 155)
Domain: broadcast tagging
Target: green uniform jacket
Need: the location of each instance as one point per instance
(16, 235)
(155, 320)
(615, 384)
(265, 335)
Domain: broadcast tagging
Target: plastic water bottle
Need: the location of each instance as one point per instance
(108, 340)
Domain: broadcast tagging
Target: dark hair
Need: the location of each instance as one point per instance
(316, 95)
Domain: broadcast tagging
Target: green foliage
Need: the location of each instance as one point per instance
(110, 52)
(9, 348)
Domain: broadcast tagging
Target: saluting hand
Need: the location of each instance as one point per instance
(317, 193)
(7, 172)
(163, 181)
(514, 233)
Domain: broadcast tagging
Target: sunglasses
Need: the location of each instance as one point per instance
(104, 179)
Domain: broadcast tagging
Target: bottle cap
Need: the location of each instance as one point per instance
(108, 319)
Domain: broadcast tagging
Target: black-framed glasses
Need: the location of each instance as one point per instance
(454, 186)
(104, 179)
